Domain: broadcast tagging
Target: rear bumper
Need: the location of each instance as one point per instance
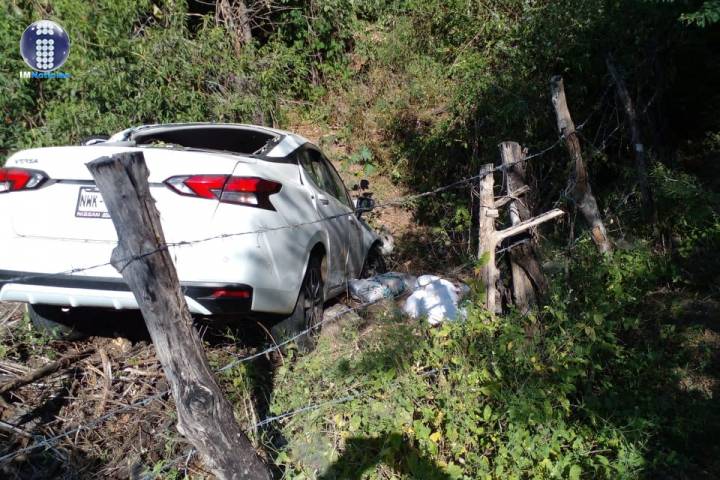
(88, 291)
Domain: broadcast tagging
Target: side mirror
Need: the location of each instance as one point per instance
(364, 204)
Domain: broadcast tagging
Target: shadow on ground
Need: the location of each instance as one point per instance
(363, 454)
(665, 388)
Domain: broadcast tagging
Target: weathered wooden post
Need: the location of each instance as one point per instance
(581, 192)
(489, 237)
(528, 279)
(205, 416)
(488, 240)
(636, 138)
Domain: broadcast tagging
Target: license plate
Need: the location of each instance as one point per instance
(90, 204)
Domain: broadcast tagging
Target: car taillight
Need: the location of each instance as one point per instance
(15, 179)
(251, 191)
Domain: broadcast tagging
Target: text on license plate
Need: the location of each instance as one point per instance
(90, 204)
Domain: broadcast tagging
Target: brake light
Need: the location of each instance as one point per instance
(251, 191)
(15, 179)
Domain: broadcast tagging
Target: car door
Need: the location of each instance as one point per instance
(355, 251)
(330, 208)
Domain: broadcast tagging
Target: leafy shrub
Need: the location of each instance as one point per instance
(690, 214)
(137, 64)
(569, 392)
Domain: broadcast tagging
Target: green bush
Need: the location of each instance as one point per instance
(135, 63)
(690, 216)
(572, 391)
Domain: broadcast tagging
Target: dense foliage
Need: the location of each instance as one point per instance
(569, 392)
(614, 377)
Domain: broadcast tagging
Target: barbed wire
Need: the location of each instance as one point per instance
(292, 413)
(48, 442)
(390, 203)
(306, 331)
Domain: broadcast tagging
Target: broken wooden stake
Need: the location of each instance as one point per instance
(636, 138)
(528, 280)
(581, 192)
(205, 416)
(489, 237)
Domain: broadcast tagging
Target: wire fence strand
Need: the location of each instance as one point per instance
(44, 442)
(390, 203)
(49, 442)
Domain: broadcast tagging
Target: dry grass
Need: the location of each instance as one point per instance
(121, 436)
(124, 435)
(116, 376)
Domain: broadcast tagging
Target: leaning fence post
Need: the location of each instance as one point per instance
(487, 238)
(581, 192)
(205, 416)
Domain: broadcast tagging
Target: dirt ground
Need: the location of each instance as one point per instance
(109, 415)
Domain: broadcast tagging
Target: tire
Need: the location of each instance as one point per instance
(308, 310)
(374, 263)
(54, 322)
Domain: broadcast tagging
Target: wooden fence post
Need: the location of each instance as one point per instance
(528, 279)
(636, 138)
(487, 238)
(582, 193)
(205, 416)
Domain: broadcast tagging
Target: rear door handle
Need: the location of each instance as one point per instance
(323, 200)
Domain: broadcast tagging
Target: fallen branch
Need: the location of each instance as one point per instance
(522, 226)
(13, 429)
(45, 370)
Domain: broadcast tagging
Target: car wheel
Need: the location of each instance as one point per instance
(54, 322)
(374, 263)
(308, 310)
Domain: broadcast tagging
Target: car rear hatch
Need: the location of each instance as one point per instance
(68, 206)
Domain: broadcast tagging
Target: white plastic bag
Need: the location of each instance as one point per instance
(436, 299)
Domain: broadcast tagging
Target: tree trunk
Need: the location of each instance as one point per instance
(638, 146)
(529, 282)
(581, 192)
(235, 15)
(205, 417)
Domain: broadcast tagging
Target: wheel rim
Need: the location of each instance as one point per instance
(373, 265)
(312, 298)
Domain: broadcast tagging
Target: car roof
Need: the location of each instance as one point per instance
(270, 143)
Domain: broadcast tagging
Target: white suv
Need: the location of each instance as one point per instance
(269, 224)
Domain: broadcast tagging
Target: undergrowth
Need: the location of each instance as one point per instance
(588, 387)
